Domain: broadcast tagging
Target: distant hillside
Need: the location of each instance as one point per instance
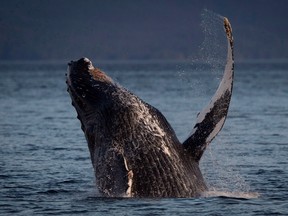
(161, 29)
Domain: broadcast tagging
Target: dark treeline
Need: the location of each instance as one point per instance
(124, 30)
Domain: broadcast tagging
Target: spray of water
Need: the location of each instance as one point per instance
(214, 47)
(222, 177)
(212, 51)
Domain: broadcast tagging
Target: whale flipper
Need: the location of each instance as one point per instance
(211, 119)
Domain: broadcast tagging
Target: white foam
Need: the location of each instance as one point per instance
(233, 194)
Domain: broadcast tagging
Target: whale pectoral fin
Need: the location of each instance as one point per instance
(211, 119)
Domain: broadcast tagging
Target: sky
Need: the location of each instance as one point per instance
(136, 30)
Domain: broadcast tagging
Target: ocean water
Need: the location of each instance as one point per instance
(45, 167)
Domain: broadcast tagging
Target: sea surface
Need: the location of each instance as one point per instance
(45, 167)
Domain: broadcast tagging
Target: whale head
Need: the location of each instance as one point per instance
(86, 86)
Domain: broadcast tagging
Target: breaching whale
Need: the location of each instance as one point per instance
(133, 148)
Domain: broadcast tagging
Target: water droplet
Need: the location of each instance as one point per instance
(83, 95)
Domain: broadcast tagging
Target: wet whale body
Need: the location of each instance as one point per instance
(133, 148)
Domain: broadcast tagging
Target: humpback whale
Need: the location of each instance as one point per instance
(133, 149)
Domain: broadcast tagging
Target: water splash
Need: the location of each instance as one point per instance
(213, 192)
(220, 171)
(209, 62)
